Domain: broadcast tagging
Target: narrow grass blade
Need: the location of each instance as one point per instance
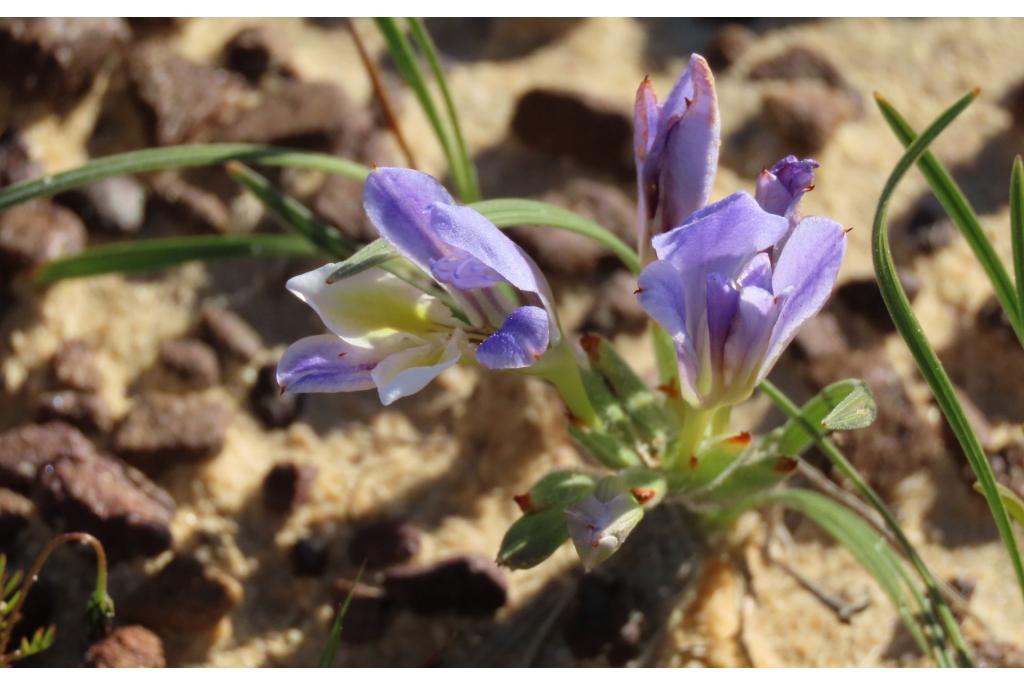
(330, 652)
(370, 255)
(291, 213)
(938, 604)
(1017, 227)
(910, 329)
(963, 215)
(467, 171)
(163, 252)
(514, 212)
(176, 157)
(1014, 504)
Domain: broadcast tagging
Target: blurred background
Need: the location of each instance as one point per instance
(236, 517)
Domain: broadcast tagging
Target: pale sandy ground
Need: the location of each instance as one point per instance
(452, 457)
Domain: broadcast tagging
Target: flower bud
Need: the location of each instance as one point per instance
(600, 523)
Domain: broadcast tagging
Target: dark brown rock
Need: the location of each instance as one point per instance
(805, 115)
(798, 63)
(185, 99)
(189, 203)
(288, 485)
(1014, 102)
(58, 57)
(466, 586)
(114, 205)
(310, 556)
(185, 595)
(27, 449)
(15, 163)
(728, 45)
(74, 367)
(927, 229)
(86, 411)
(287, 110)
(15, 513)
(255, 51)
(370, 611)
(601, 620)
(38, 231)
(563, 123)
(616, 308)
(384, 543)
(162, 430)
(274, 408)
(863, 298)
(190, 361)
(230, 334)
(127, 647)
(94, 493)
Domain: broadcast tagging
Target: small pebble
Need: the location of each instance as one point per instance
(274, 409)
(86, 411)
(38, 231)
(384, 543)
(191, 361)
(230, 334)
(74, 367)
(185, 595)
(310, 556)
(162, 430)
(287, 485)
(127, 647)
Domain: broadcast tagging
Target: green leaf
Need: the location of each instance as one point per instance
(792, 439)
(368, 256)
(11, 586)
(606, 449)
(560, 488)
(158, 253)
(1017, 227)
(963, 215)
(507, 212)
(910, 330)
(533, 538)
(176, 157)
(856, 410)
(749, 478)
(291, 213)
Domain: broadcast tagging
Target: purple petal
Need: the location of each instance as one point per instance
(780, 188)
(520, 341)
(806, 271)
(748, 340)
(662, 295)
(398, 203)
(723, 300)
(645, 120)
(325, 363)
(464, 272)
(757, 272)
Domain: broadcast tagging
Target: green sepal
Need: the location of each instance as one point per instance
(558, 489)
(533, 538)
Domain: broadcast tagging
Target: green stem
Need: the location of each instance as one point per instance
(694, 424)
(560, 368)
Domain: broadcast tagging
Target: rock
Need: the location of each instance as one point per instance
(288, 110)
(287, 485)
(798, 63)
(992, 318)
(15, 163)
(86, 411)
(728, 45)
(602, 620)
(370, 611)
(1014, 102)
(616, 309)
(27, 449)
(963, 586)
(275, 409)
(127, 647)
(114, 205)
(465, 585)
(309, 557)
(820, 337)
(230, 334)
(997, 654)
(58, 58)
(805, 114)
(1007, 464)
(94, 493)
(339, 202)
(15, 513)
(190, 203)
(191, 362)
(863, 297)
(562, 123)
(185, 595)
(927, 229)
(73, 367)
(185, 99)
(36, 232)
(256, 51)
(162, 430)
(384, 543)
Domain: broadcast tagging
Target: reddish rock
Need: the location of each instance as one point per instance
(798, 63)
(384, 543)
(36, 232)
(162, 430)
(287, 485)
(127, 647)
(86, 411)
(185, 595)
(287, 110)
(728, 45)
(190, 361)
(256, 51)
(230, 334)
(805, 115)
(73, 367)
(28, 448)
(15, 163)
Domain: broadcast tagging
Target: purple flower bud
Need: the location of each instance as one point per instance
(780, 189)
(676, 149)
(601, 522)
(731, 308)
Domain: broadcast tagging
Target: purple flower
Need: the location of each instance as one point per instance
(780, 189)
(676, 147)
(389, 334)
(730, 307)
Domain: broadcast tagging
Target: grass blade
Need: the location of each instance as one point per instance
(334, 639)
(291, 213)
(514, 212)
(963, 215)
(176, 157)
(163, 252)
(467, 170)
(1014, 504)
(1017, 227)
(910, 329)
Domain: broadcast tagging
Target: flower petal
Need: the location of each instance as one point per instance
(780, 188)
(722, 302)
(756, 315)
(663, 296)
(325, 363)
(520, 341)
(372, 307)
(408, 371)
(398, 203)
(806, 271)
